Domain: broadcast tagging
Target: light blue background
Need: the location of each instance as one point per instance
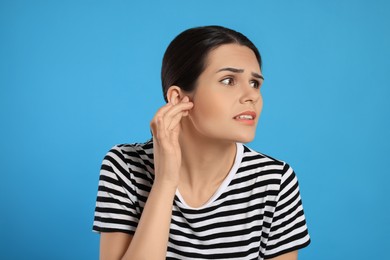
(77, 77)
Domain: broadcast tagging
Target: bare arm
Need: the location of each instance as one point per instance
(151, 237)
(289, 256)
(113, 245)
(150, 240)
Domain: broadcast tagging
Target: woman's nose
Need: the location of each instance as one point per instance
(249, 94)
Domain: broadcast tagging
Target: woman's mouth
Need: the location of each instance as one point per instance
(247, 117)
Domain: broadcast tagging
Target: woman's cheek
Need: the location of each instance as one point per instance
(207, 119)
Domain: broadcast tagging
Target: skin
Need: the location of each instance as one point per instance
(218, 98)
(190, 135)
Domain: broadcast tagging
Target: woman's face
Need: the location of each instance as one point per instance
(227, 99)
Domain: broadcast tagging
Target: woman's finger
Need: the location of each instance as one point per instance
(168, 117)
(162, 110)
(175, 121)
(176, 109)
(158, 116)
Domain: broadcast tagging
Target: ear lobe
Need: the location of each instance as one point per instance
(174, 95)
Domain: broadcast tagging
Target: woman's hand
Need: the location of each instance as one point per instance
(165, 127)
(150, 240)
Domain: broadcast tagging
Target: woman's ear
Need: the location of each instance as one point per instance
(174, 95)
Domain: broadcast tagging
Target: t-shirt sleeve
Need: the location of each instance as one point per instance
(288, 230)
(115, 209)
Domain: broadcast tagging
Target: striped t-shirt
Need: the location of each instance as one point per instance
(256, 213)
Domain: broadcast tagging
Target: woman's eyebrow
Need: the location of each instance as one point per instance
(235, 70)
(256, 75)
(231, 70)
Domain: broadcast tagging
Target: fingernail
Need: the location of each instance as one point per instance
(185, 99)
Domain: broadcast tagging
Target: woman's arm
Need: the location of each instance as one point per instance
(289, 256)
(113, 245)
(150, 240)
(151, 237)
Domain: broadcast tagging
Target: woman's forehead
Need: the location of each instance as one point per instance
(232, 55)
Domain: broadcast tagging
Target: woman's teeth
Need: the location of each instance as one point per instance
(247, 117)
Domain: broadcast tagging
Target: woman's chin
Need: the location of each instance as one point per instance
(246, 139)
(242, 138)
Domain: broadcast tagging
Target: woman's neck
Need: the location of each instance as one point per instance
(205, 161)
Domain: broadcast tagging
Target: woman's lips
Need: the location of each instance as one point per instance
(247, 117)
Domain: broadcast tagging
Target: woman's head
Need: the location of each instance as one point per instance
(220, 71)
(186, 56)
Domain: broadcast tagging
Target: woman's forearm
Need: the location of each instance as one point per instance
(150, 240)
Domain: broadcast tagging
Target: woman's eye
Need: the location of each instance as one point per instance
(228, 81)
(255, 84)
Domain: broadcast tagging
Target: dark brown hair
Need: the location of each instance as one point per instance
(185, 58)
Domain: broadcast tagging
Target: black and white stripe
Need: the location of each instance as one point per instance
(256, 213)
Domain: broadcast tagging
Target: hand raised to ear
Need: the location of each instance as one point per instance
(165, 127)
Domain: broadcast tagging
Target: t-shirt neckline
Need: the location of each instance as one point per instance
(225, 183)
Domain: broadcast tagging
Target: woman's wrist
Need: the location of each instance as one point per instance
(165, 186)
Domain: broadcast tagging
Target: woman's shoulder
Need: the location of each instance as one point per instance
(251, 155)
(134, 151)
(263, 163)
(265, 170)
(138, 157)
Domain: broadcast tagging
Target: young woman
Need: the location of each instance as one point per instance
(194, 191)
